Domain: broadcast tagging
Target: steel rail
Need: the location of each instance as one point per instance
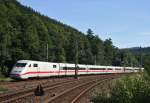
(69, 90)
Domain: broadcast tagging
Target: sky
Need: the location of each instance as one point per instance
(126, 22)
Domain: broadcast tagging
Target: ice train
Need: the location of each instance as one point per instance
(25, 69)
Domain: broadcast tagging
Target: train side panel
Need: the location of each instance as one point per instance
(25, 69)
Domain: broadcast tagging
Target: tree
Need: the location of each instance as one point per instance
(109, 51)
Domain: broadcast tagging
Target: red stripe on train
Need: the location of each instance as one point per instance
(50, 72)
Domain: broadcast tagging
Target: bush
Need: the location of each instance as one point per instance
(133, 89)
(6, 79)
(4, 71)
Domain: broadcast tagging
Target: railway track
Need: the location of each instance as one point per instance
(72, 95)
(61, 89)
(25, 92)
(17, 86)
(76, 99)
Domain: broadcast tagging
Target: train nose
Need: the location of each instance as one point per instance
(15, 73)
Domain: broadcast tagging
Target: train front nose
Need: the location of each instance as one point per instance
(15, 73)
(17, 69)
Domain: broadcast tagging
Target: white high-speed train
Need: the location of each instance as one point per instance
(25, 69)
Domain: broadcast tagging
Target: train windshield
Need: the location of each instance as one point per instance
(20, 65)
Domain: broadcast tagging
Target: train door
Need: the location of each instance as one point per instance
(65, 69)
(124, 69)
(86, 68)
(55, 69)
(60, 70)
(36, 69)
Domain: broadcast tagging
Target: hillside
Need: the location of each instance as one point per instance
(25, 33)
(138, 50)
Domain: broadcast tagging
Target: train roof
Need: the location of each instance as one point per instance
(26, 61)
(80, 65)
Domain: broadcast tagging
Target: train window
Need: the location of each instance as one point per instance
(127, 69)
(81, 68)
(64, 68)
(102, 68)
(71, 68)
(30, 65)
(109, 68)
(97, 68)
(20, 65)
(35, 65)
(117, 69)
(54, 66)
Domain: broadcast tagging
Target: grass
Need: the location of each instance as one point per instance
(5, 79)
(2, 89)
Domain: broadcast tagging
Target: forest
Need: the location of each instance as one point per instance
(25, 33)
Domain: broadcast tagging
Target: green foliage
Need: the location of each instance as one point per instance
(129, 59)
(97, 48)
(147, 63)
(6, 79)
(109, 50)
(133, 89)
(138, 50)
